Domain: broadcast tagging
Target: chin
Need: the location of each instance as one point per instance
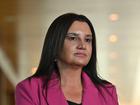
(81, 63)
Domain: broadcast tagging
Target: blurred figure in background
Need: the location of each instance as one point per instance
(67, 73)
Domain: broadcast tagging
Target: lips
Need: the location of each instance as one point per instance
(79, 54)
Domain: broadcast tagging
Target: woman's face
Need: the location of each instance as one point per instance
(77, 47)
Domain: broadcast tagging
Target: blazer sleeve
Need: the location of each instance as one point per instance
(23, 94)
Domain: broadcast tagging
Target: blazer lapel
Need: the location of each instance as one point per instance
(90, 92)
(54, 93)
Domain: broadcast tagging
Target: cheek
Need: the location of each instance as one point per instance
(89, 53)
(67, 51)
(90, 50)
(68, 47)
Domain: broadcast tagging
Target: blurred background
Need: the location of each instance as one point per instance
(24, 23)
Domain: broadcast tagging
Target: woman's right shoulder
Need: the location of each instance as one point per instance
(28, 91)
(30, 83)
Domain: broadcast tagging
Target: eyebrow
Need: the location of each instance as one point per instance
(76, 34)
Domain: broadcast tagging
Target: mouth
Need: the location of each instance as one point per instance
(80, 54)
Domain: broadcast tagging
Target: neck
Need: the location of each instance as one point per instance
(71, 83)
(70, 78)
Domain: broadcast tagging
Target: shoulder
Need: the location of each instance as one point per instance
(105, 89)
(26, 91)
(29, 86)
(30, 82)
(108, 87)
(110, 93)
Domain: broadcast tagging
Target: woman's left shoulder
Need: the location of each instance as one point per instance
(110, 92)
(110, 87)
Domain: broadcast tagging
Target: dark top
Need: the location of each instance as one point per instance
(72, 103)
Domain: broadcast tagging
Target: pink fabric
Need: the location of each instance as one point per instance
(30, 92)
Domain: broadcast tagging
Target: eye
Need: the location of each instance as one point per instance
(72, 38)
(89, 40)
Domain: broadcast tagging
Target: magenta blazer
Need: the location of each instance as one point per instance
(31, 92)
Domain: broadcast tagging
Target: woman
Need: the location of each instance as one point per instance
(67, 73)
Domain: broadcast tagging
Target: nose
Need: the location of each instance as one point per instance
(81, 45)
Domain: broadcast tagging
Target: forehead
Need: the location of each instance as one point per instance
(78, 26)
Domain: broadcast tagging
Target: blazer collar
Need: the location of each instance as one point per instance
(55, 95)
